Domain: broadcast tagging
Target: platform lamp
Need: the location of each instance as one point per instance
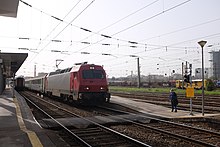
(202, 44)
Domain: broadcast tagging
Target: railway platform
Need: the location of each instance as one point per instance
(156, 110)
(17, 124)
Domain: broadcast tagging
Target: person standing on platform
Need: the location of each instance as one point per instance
(173, 100)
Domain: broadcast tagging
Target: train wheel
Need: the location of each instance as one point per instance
(108, 100)
(108, 97)
(65, 98)
(49, 94)
(70, 99)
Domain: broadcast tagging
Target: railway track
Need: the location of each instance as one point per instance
(95, 136)
(193, 134)
(179, 132)
(174, 132)
(164, 133)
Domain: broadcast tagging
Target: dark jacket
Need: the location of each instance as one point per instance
(173, 98)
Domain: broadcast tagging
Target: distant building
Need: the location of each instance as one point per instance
(42, 74)
(198, 73)
(215, 64)
(177, 76)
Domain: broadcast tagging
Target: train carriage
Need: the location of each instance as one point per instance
(36, 84)
(196, 84)
(218, 84)
(19, 83)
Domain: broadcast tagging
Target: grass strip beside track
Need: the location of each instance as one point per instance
(157, 90)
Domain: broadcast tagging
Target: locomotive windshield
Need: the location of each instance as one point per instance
(93, 74)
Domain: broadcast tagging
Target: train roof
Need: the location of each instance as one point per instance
(85, 66)
(74, 68)
(19, 77)
(59, 71)
(35, 78)
(196, 80)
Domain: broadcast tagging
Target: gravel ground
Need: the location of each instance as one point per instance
(151, 137)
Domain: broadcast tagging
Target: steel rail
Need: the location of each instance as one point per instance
(95, 123)
(65, 128)
(169, 133)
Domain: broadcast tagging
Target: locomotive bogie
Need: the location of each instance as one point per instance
(92, 97)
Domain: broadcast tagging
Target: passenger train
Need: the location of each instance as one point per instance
(81, 83)
(196, 84)
(19, 83)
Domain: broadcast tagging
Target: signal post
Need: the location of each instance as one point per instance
(189, 90)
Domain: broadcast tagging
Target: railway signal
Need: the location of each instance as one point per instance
(186, 78)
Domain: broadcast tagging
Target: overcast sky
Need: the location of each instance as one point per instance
(112, 33)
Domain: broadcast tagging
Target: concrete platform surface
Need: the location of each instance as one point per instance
(82, 123)
(18, 127)
(155, 110)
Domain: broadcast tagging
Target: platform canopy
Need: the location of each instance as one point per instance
(11, 62)
(9, 8)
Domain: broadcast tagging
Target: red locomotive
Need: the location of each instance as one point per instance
(82, 83)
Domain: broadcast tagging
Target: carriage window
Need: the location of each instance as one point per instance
(93, 74)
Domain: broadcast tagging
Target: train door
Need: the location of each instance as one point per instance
(76, 82)
(44, 84)
(73, 85)
(71, 82)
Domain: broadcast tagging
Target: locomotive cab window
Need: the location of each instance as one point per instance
(92, 74)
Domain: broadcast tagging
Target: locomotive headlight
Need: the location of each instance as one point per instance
(86, 88)
(102, 88)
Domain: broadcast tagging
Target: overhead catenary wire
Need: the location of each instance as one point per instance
(125, 17)
(107, 36)
(147, 19)
(65, 27)
(120, 20)
(103, 35)
(182, 29)
(111, 36)
(139, 46)
(61, 20)
(195, 39)
(122, 55)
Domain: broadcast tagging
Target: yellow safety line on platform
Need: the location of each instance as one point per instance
(31, 135)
